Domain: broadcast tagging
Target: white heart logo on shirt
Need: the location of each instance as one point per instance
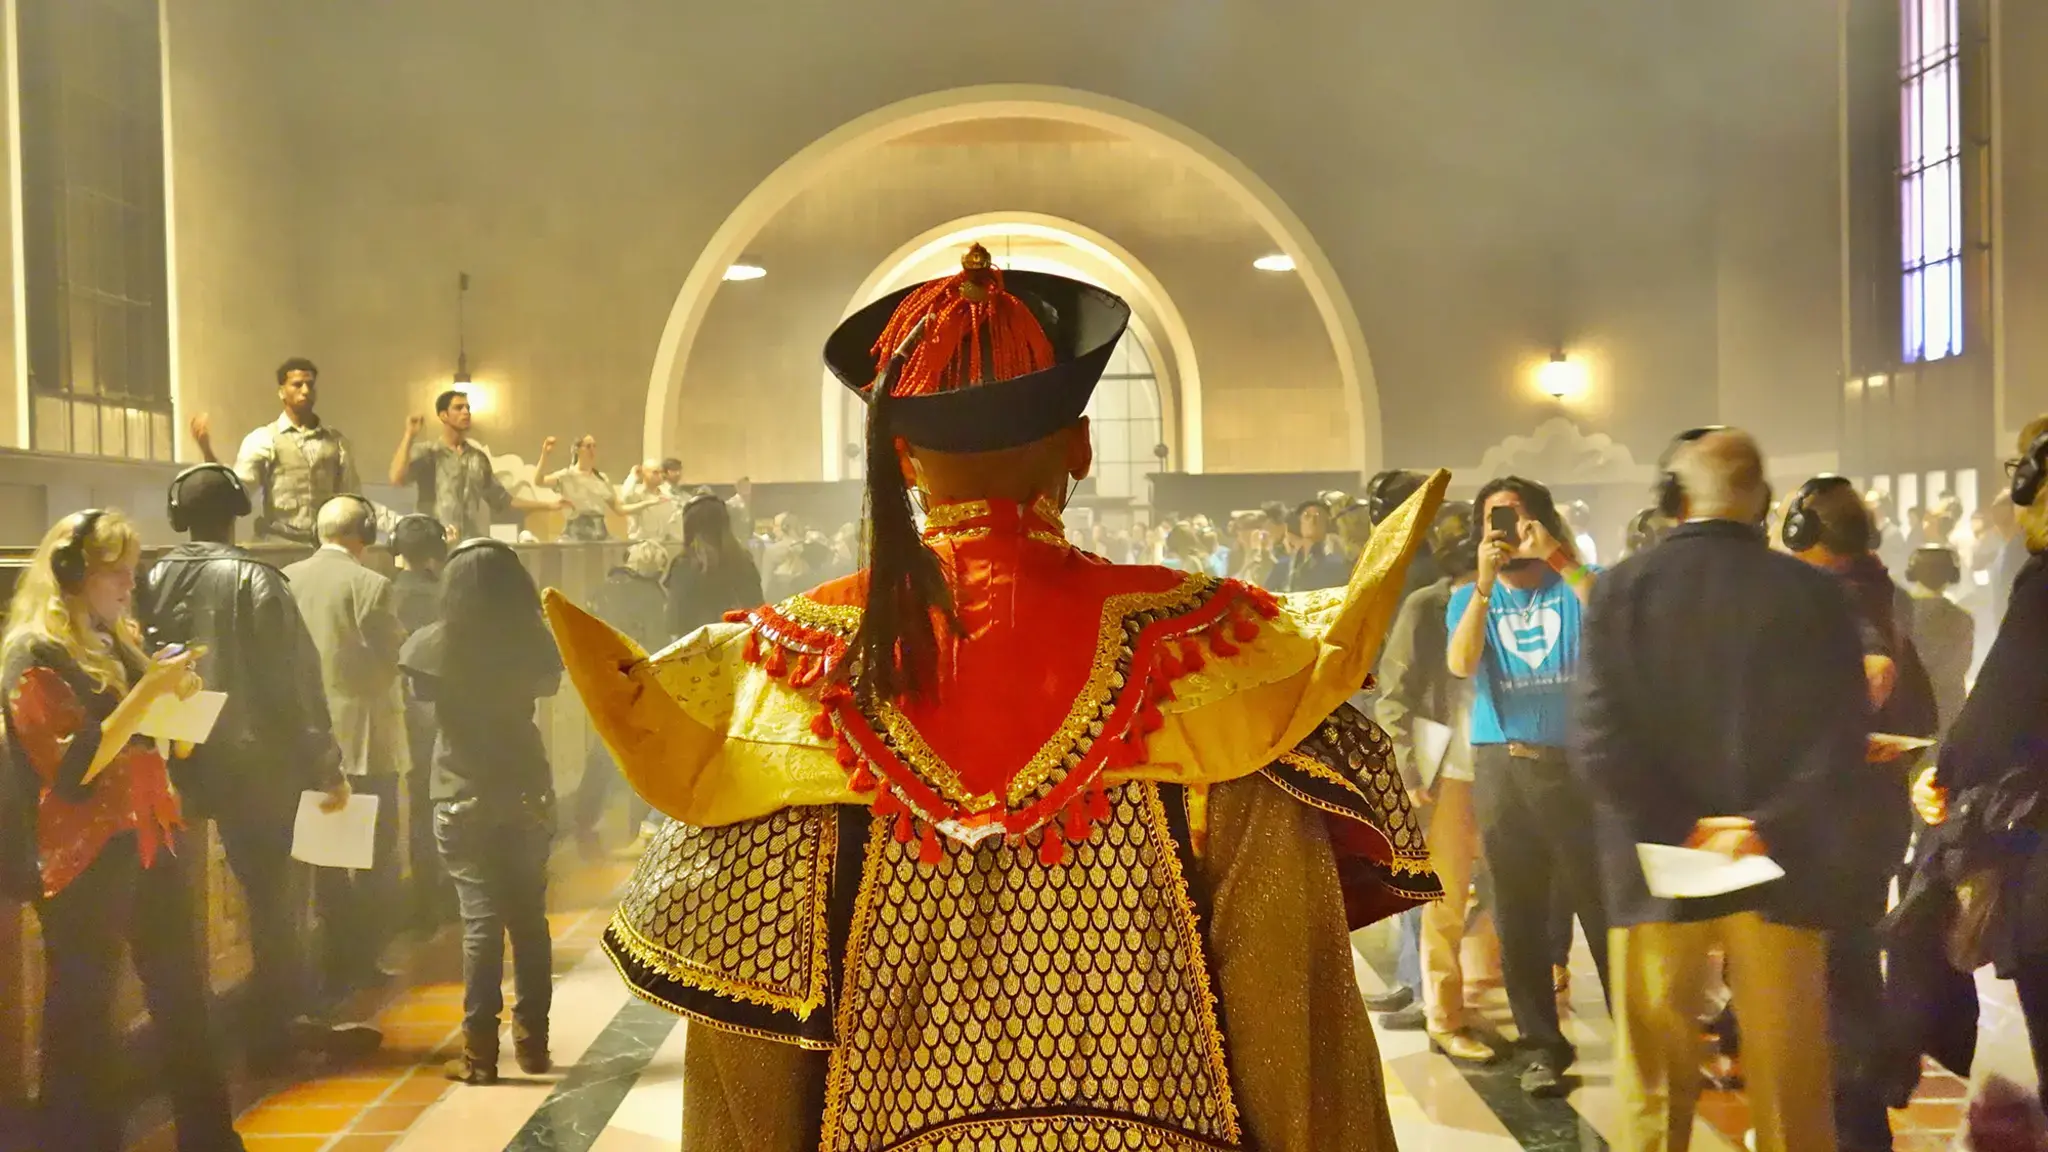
(1530, 636)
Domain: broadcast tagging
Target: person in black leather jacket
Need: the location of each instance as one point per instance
(272, 742)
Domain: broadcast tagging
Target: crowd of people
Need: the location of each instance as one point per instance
(1749, 679)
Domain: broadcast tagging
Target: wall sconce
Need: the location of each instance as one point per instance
(1561, 377)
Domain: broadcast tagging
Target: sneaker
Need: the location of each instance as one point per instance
(1462, 1045)
(1392, 1000)
(1541, 1079)
(1409, 1019)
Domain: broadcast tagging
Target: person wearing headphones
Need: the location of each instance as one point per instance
(1830, 526)
(1999, 743)
(271, 742)
(1720, 706)
(348, 609)
(95, 841)
(483, 666)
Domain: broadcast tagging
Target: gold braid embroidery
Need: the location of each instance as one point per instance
(838, 1085)
(1190, 926)
(696, 1017)
(1044, 1131)
(1407, 863)
(946, 516)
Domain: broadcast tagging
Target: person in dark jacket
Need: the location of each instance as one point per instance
(1942, 630)
(420, 546)
(272, 742)
(2004, 726)
(483, 666)
(1316, 561)
(1720, 705)
(712, 574)
(1829, 526)
(632, 600)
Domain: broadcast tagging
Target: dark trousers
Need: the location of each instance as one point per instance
(496, 851)
(355, 906)
(1534, 822)
(600, 775)
(1858, 1017)
(258, 842)
(116, 901)
(2032, 982)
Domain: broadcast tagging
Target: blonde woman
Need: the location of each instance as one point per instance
(92, 837)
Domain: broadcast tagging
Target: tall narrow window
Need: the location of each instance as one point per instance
(93, 211)
(1124, 419)
(1930, 180)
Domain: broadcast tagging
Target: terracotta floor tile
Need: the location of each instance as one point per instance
(284, 1143)
(364, 1143)
(355, 1090)
(424, 1088)
(390, 1118)
(290, 1120)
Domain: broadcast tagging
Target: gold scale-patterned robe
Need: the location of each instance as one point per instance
(1173, 973)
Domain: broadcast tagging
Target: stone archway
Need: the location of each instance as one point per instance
(1024, 101)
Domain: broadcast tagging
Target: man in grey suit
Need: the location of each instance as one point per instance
(349, 610)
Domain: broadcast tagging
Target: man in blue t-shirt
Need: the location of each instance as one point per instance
(1515, 631)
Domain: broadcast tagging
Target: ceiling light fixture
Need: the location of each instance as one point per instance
(461, 334)
(1561, 376)
(745, 272)
(1277, 262)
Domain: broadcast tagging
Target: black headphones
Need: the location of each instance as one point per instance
(1932, 564)
(174, 498)
(1803, 527)
(2031, 470)
(1670, 490)
(67, 563)
(370, 539)
(480, 544)
(1379, 502)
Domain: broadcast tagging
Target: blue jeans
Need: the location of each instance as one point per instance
(496, 852)
(1408, 962)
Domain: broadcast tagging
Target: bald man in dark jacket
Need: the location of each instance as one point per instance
(1720, 704)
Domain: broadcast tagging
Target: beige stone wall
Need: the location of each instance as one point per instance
(2022, 243)
(1486, 181)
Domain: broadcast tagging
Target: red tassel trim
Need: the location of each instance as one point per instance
(806, 671)
(1170, 667)
(906, 829)
(928, 848)
(1149, 721)
(753, 649)
(1191, 654)
(886, 804)
(1246, 630)
(1077, 822)
(1221, 645)
(1052, 850)
(847, 754)
(862, 779)
(821, 725)
(777, 662)
(737, 616)
(1162, 689)
(1264, 601)
(1098, 804)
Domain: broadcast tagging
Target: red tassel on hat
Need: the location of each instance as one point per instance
(929, 850)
